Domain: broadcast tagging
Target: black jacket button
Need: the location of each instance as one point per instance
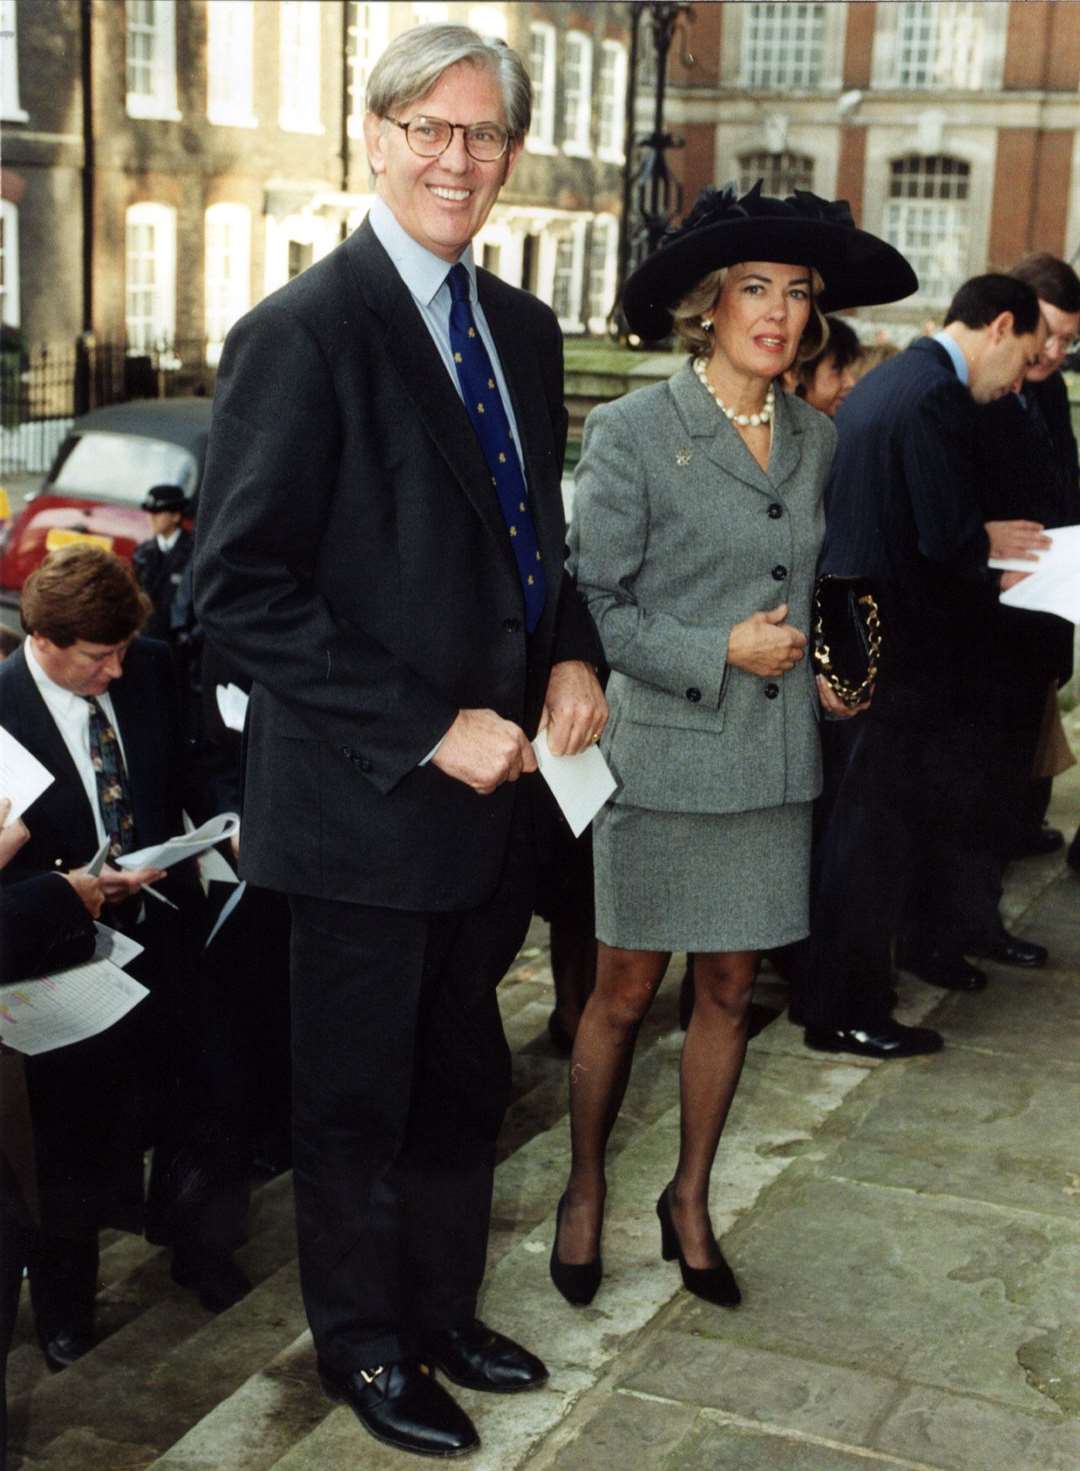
(693, 695)
(512, 625)
(771, 691)
(776, 510)
(779, 572)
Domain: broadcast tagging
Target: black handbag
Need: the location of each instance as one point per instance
(846, 636)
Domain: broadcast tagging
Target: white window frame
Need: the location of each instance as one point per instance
(577, 102)
(945, 23)
(611, 107)
(11, 299)
(161, 218)
(376, 34)
(10, 110)
(230, 63)
(541, 136)
(735, 43)
(605, 244)
(574, 233)
(775, 49)
(779, 179)
(160, 101)
(300, 69)
(905, 219)
(316, 230)
(226, 271)
(488, 20)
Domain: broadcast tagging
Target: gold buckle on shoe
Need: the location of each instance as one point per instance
(369, 1376)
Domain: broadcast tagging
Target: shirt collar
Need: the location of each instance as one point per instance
(959, 361)
(423, 272)
(166, 543)
(55, 694)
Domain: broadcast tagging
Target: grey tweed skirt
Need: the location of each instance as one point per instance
(702, 881)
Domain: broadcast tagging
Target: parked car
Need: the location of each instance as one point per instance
(95, 486)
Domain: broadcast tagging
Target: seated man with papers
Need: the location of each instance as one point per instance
(96, 705)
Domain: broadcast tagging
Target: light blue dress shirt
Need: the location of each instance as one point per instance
(959, 361)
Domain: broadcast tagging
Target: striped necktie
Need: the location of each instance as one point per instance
(488, 414)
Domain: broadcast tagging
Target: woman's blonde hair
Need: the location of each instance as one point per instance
(699, 301)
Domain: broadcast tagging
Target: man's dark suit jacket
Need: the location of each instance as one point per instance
(901, 508)
(1028, 471)
(44, 926)
(351, 558)
(86, 1099)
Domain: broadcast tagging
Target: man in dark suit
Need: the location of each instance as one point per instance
(160, 560)
(902, 509)
(97, 706)
(380, 549)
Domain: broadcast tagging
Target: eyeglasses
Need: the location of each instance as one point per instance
(430, 137)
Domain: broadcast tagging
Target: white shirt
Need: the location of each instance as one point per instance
(71, 715)
(166, 543)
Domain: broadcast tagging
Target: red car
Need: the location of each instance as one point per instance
(96, 485)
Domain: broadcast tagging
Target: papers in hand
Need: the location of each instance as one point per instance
(232, 705)
(22, 776)
(580, 784)
(71, 1005)
(186, 845)
(1053, 582)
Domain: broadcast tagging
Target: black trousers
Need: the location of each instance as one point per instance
(401, 1078)
(913, 842)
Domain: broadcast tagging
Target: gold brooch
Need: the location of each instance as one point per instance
(682, 457)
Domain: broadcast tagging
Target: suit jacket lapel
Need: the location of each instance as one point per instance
(423, 375)
(724, 444)
(63, 804)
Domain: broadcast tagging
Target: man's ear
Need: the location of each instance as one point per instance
(373, 142)
(1003, 324)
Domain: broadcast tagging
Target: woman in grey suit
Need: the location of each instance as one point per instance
(697, 523)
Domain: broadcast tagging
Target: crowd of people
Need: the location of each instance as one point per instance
(381, 561)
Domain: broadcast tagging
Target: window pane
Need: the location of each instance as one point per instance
(783, 44)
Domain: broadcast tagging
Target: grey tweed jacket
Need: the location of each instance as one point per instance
(677, 535)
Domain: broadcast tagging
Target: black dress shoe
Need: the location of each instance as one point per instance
(65, 1347)
(476, 1357)
(1037, 842)
(577, 1281)
(884, 1039)
(1011, 950)
(712, 1284)
(215, 1279)
(404, 1406)
(941, 968)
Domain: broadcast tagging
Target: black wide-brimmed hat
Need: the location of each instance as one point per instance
(858, 269)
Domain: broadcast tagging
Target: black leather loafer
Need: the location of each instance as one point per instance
(1011, 950)
(217, 1281)
(403, 1406)
(476, 1357)
(940, 968)
(65, 1348)
(883, 1040)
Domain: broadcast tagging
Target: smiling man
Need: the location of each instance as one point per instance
(380, 548)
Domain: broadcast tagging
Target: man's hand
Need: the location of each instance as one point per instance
(765, 645)
(12, 837)
(121, 883)
(483, 750)
(1023, 539)
(575, 711)
(1010, 579)
(89, 889)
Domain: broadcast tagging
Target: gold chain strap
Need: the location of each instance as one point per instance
(850, 694)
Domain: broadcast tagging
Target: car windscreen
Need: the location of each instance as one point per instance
(121, 467)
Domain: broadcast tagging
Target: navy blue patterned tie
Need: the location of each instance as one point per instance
(114, 795)
(488, 415)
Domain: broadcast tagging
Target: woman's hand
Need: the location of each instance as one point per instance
(833, 705)
(765, 645)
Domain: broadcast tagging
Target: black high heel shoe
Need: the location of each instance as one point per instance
(713, 1284)
(576, 1281)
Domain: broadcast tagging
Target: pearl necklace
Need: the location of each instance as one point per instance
(744, 421)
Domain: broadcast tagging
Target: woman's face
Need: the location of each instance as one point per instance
(760, 316)
(829, 386)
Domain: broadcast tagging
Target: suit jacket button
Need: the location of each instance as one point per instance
(512, 625)
(771, 691)
(779, 572)
(693, 695)
(776, 510)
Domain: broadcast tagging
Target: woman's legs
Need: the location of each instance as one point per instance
(712, 1060)
(626, 982)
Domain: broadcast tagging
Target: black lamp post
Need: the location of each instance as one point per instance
(652, 195)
